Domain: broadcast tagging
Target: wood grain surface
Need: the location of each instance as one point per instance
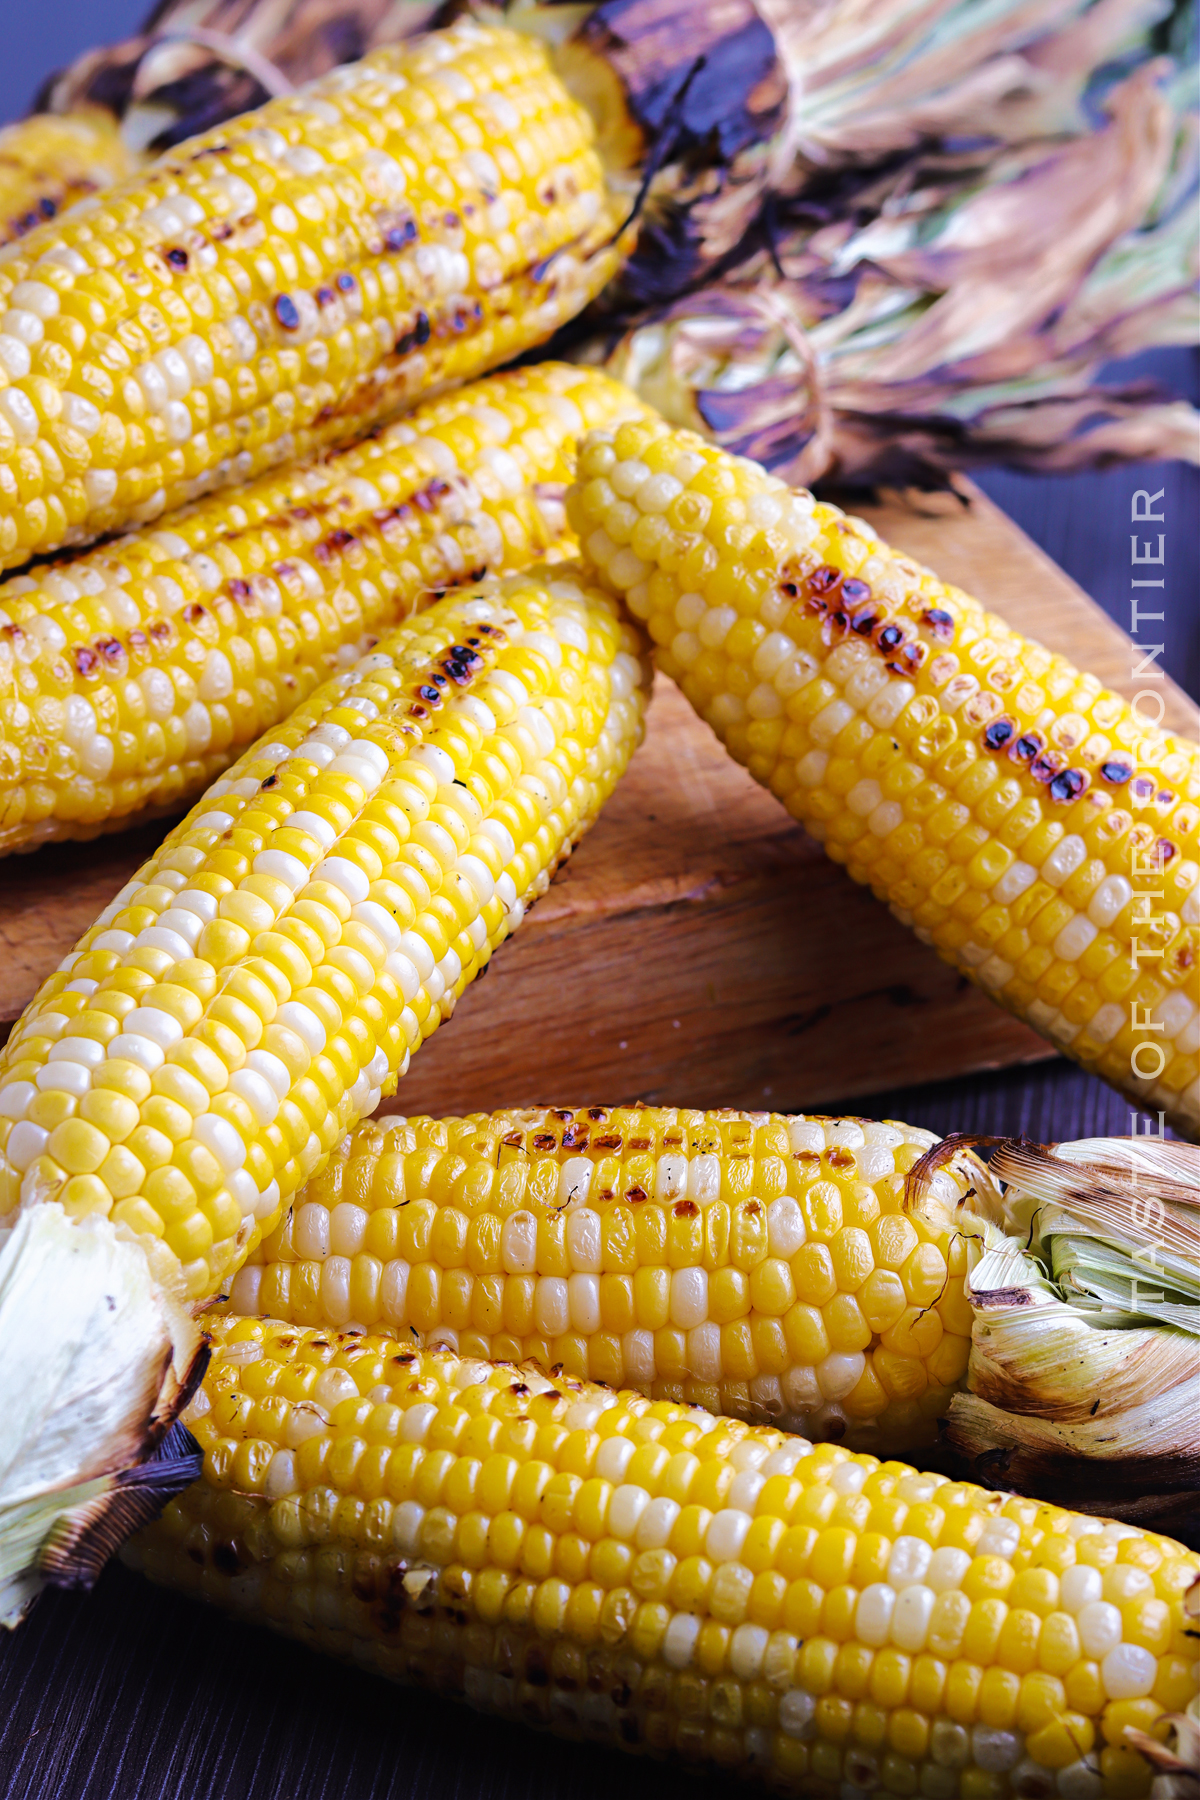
(698, 948)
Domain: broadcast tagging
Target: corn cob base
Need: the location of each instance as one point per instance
(1036, 830)
(137, 672)
(645, 1575)
(761, 1266)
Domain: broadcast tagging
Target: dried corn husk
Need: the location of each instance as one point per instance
(1084, 1379)
(703, 109)
(955, 312)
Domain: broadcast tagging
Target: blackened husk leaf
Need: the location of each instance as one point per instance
(955, 311)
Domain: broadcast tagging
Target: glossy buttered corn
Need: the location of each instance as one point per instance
(288, 279)
(761, 1266)
(1034, 828)
(133, 674)
(643, 1574)
(48, 161)
(245, 998)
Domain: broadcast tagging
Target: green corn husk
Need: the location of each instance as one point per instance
(952, 313)
(1084, 1375)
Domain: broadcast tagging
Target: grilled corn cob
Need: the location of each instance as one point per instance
(247, 996)
(761, 1266)
(643, 1574)
(284, 282)
(48, 162)
(1034, 828)
(136, 672)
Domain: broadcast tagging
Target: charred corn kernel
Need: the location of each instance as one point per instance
(292, 278)
(141, 670)
(47, 162)
(714, 1273)
(1040, 832)
(272, 968)
(615, 1606)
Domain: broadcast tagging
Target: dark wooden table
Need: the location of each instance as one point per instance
(134, 1694)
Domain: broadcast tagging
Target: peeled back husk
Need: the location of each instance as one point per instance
(79, 1428)
(1084, 1378)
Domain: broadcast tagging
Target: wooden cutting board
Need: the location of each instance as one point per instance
(698, 949)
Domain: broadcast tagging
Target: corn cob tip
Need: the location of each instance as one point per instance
(96, 1359)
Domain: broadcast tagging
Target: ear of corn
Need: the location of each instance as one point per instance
(1030, 825)
(761, 1266)
(644, 1575)
(136, 672)
(286, 281)
(48, 161)
(245, 997)
(250, 993)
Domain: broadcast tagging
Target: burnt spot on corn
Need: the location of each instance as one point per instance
(940, 623)
(176, 259)
(636, 1195)
(417, 334)
(1027, 746)
(1047, 765)
(1069, 785)
(999, 733)
(337, 543)
(685, 1209)
(225, 1558)
(545, 1140)
(839, 1157)
(513, 1139)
